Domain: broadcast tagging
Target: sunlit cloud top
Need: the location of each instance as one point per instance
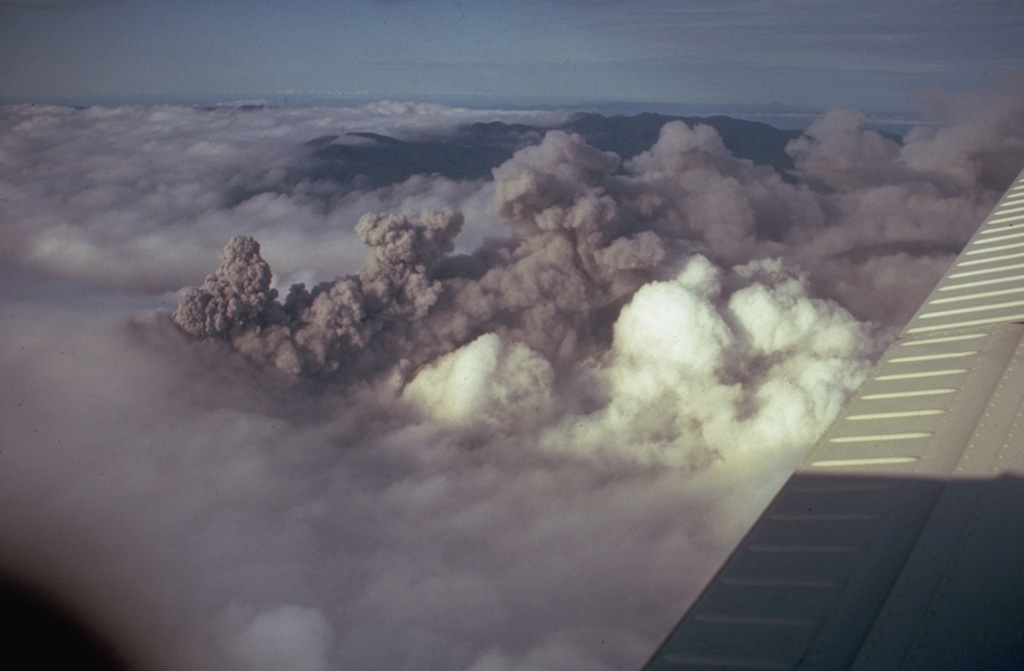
(820, 54)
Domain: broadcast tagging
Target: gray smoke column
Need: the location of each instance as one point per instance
(233, 297)
(574, 254)
(316, 331)
(585, 231)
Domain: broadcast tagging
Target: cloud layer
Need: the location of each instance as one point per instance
(496, 425)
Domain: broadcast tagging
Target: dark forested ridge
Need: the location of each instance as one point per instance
(372, 160)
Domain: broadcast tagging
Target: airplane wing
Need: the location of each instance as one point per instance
(898, 543)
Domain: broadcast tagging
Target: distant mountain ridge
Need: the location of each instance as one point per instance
(473, 150)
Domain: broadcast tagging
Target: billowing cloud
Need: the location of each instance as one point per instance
(443, 423)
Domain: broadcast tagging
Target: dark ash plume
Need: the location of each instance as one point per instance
(586, 231)
(575, 254)
(316, 331)
(235, 295)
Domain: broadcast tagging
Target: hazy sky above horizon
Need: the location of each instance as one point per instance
(801, 53)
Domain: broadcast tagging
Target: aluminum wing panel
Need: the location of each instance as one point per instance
(898, 543)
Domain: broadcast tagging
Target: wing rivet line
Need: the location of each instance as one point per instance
(904, 414)
(907, 394)
(880, 437)
(934, 357)
(1002, 219)
(922, 374)
(976, 296)
(1002, 319)
(974, 308)
(921, 342)
(999, 238)
(974, 251)
(867, 461)
(986, 271)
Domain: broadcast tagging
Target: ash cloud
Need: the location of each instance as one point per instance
(521, 427)
(324, 329)
(585, 230)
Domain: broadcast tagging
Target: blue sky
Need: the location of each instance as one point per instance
(803, 53)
